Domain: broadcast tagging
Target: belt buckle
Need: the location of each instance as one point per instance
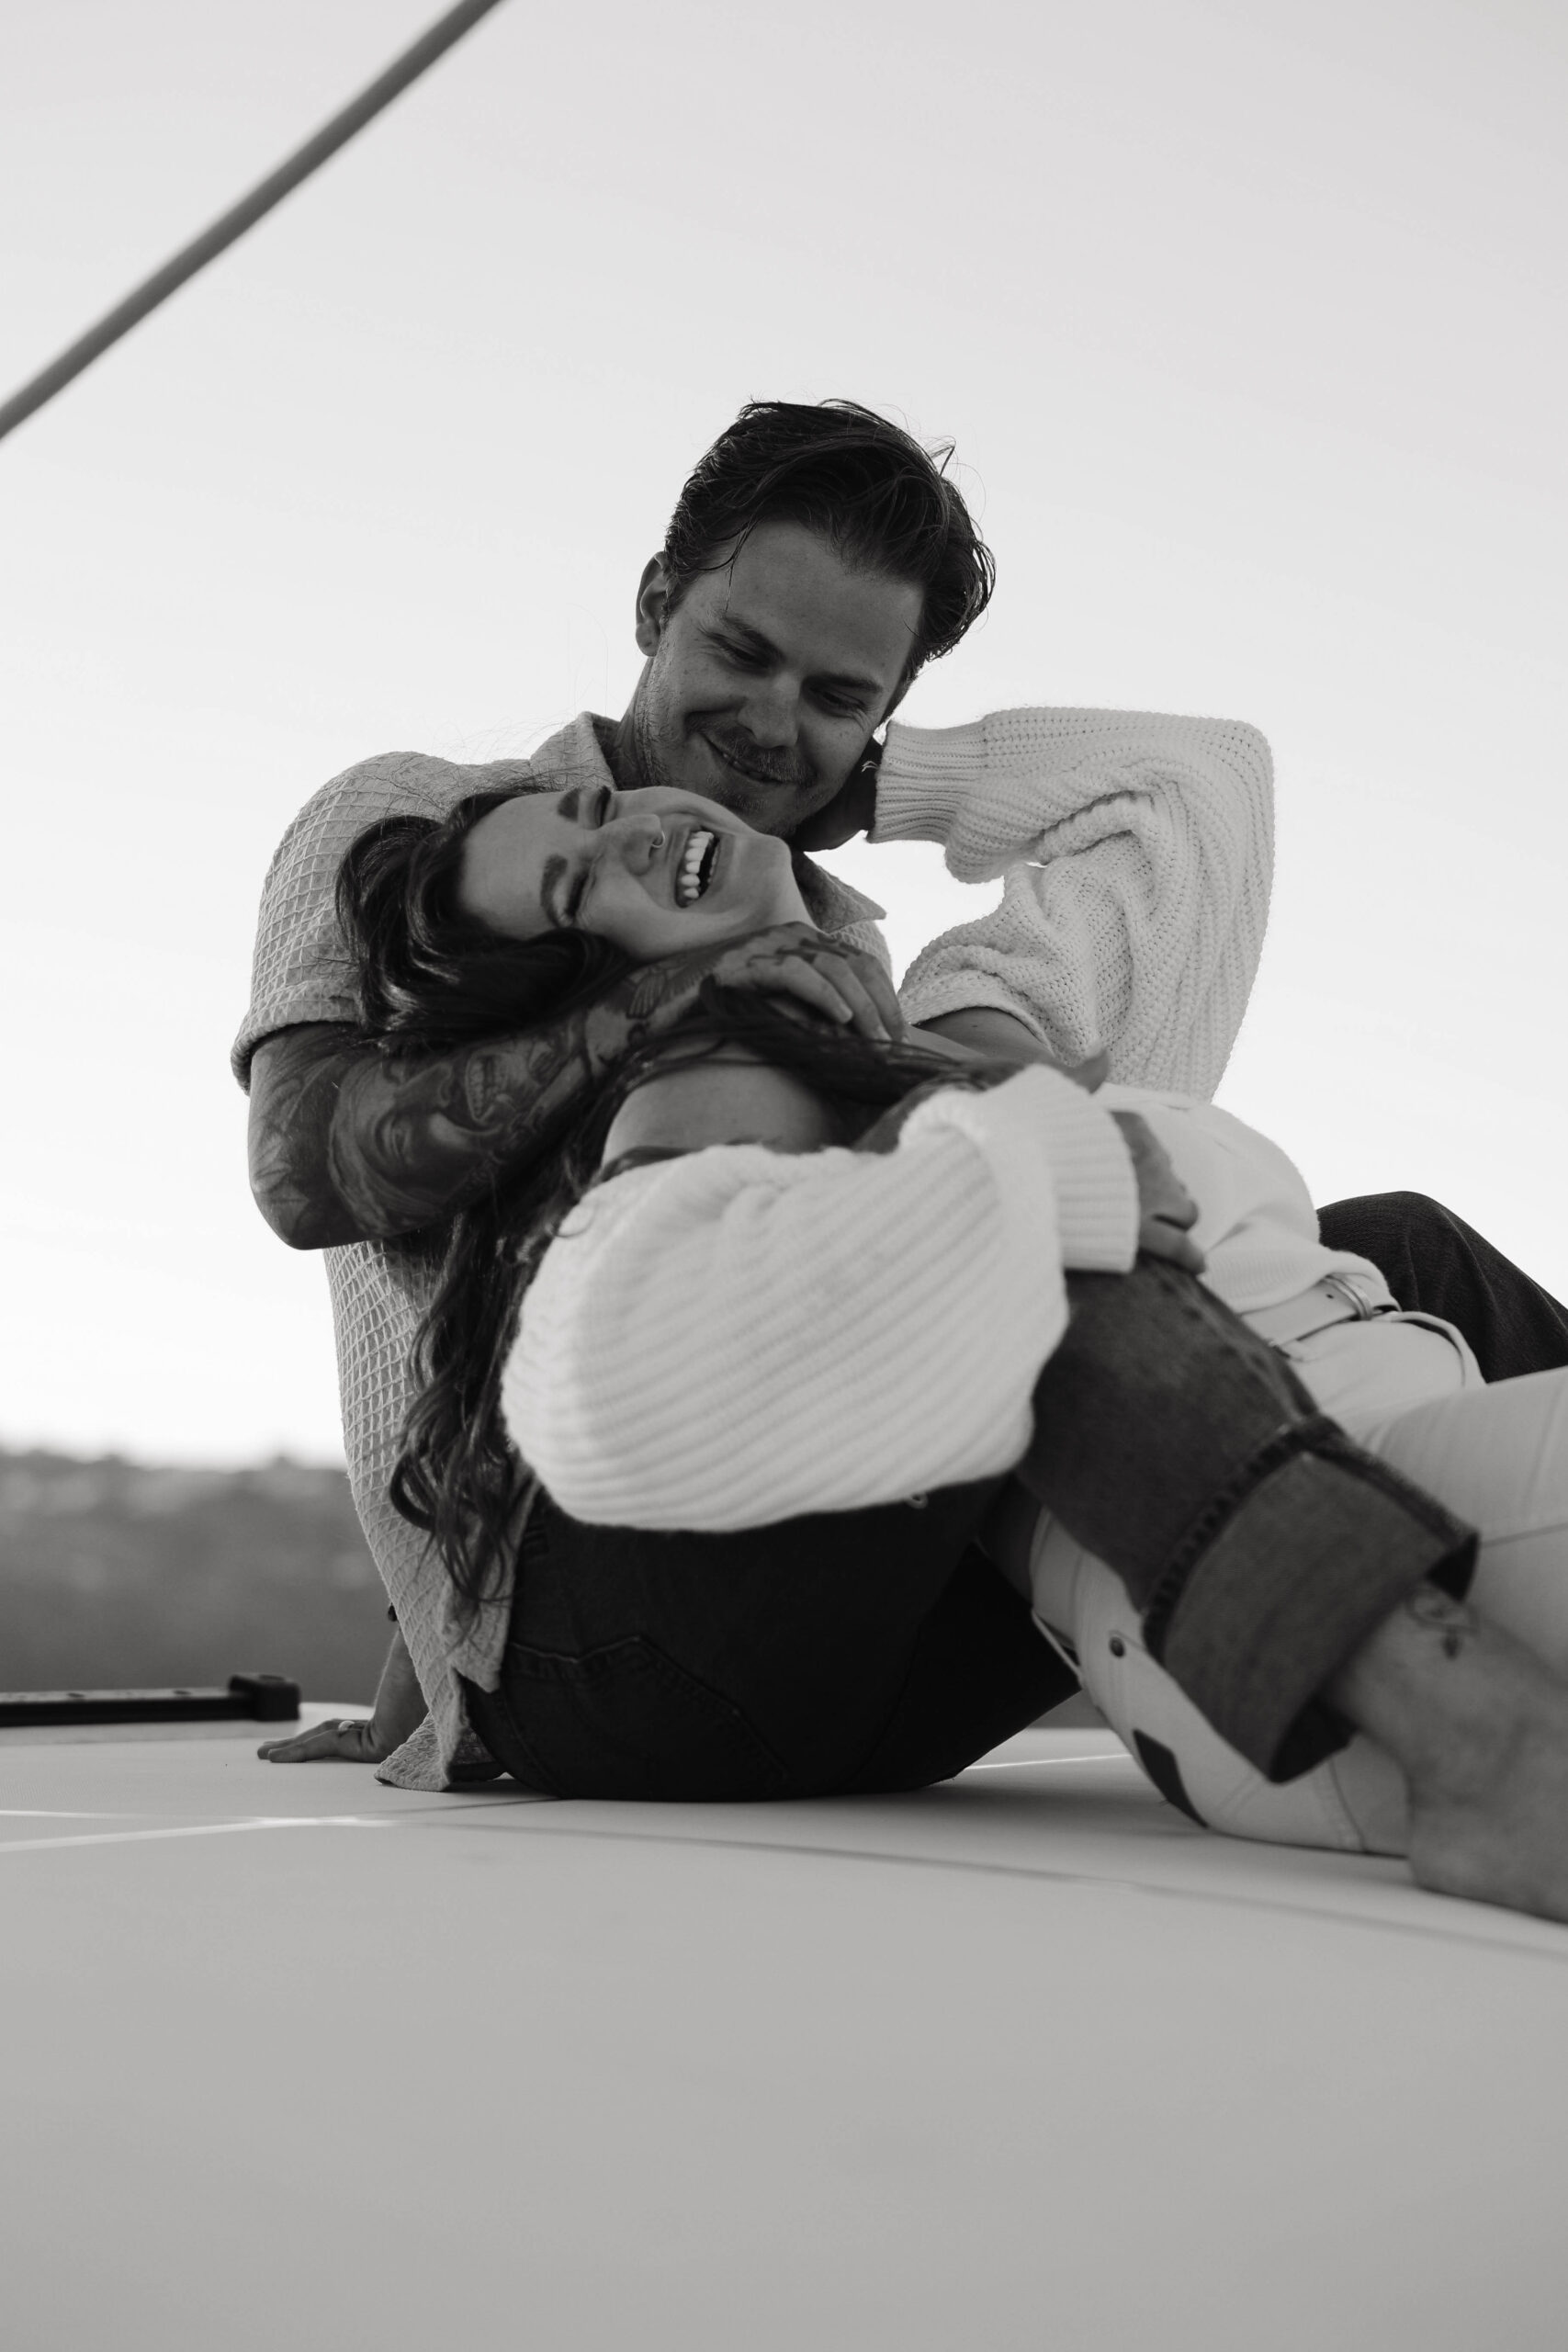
(1344, 1286)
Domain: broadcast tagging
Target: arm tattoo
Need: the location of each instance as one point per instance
(415, 1137)
(349, 1144)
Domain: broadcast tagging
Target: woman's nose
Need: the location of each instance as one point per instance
(637, 837)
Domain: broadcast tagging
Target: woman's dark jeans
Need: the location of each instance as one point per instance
(878, 1650)
(850, 1651)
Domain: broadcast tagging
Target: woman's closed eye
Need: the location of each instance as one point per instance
(582, 882)
(564, 892)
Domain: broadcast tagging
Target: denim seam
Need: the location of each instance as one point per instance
(1293, 1438)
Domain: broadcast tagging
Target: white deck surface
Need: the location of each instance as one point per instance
(292, 2059)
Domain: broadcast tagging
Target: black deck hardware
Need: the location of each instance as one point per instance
(261, 1698)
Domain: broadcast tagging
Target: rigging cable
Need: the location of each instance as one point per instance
(232, 224)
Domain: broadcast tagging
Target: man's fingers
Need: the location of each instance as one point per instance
(884, 995)
(826, 983)
(855, 992)
(863, 1011)
(323, 1743)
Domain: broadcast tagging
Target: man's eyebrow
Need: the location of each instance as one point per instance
(552, 881)
(755, 642)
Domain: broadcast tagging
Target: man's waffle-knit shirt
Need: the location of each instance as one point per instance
(1135, 853)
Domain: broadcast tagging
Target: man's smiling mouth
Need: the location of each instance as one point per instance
(742, 767)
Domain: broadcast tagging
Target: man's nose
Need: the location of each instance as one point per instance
(771, 713)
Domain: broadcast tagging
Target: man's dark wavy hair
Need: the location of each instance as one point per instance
(432, 979)
(880, 500)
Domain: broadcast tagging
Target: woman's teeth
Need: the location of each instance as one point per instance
(696, 867)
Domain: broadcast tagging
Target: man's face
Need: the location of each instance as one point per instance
(764, 684)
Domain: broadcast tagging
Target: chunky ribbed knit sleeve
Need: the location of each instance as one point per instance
(1138, 856)
(741, 1336)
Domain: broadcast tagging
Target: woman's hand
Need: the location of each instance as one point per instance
(838, 983)
(1166, 1211)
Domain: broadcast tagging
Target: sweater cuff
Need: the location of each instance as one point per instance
(1087, 1164)
(927, 775)
(1097, 1187)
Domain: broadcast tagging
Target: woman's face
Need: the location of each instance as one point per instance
(654, 872)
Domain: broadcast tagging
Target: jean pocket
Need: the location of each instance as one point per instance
(627, 1720)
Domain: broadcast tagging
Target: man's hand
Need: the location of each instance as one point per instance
(345, 1739)
(845, 985)
(359, 1739)
(1166, 1211)
(852, 811)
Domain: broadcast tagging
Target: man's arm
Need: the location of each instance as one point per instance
(350, 1144)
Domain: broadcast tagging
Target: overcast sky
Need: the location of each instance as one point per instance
(1245, 315)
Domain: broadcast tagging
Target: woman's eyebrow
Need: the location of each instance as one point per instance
(570, 804)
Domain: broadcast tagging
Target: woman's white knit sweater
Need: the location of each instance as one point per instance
(1137, 853)
(741, 1336)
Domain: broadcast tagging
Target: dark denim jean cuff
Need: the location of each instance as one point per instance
(1255, 1617)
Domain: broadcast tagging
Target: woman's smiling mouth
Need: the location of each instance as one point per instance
(699, 859)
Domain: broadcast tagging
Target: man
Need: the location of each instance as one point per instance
(817, 559)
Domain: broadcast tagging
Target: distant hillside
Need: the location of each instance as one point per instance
(114, 1573)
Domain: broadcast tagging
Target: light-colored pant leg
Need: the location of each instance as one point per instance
(1496, 1456)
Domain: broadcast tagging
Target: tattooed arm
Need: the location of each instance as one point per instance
(349, 1144)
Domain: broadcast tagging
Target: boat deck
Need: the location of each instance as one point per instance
(1025, 2059)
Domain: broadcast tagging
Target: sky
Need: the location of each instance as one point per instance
(1246, 317)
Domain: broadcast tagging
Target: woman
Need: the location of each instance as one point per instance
(516, 904)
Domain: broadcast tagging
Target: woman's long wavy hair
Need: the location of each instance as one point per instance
(433, 978)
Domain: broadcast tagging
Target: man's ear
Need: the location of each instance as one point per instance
(652, 603)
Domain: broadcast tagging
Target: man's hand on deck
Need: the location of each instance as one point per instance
(360, 1739)
(342, 1740)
